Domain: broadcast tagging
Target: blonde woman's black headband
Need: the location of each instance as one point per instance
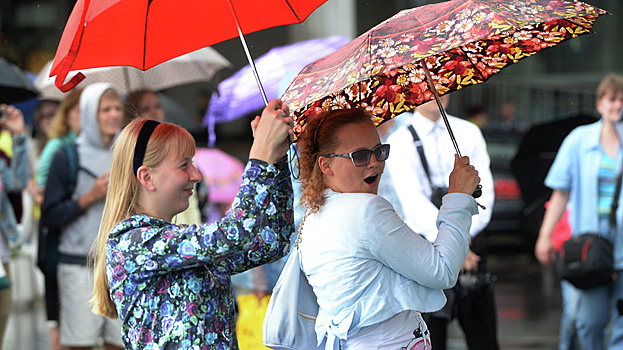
(141, 142)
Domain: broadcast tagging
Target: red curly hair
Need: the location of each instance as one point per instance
(319, 138)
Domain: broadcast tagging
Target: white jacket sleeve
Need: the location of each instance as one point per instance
(434, 265)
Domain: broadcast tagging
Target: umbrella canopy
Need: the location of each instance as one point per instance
(237, 95)
(197, 66)
(143, 34)
(461, 42)
(222, 173)
(15, 86)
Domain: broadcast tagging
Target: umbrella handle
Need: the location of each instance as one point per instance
(477, 192)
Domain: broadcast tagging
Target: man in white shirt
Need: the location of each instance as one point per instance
(414, 187)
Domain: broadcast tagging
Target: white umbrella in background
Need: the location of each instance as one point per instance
(197, 66)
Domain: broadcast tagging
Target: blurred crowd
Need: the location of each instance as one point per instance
(54, 177)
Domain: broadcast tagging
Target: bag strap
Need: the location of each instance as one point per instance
(420, 150)
(299, 234)
(71, 151)
(73, 159)
(615, 201)
(299, 237)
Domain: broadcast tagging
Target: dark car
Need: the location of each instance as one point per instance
(506, 228)
(519, 164)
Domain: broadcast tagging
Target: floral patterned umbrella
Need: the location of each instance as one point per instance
(462, 42)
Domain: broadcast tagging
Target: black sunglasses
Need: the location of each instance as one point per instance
(362, 156)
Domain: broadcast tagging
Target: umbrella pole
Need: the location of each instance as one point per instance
(431, 86)
(246, 50)
(478, 192)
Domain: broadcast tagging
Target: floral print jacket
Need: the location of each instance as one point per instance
(171, 284)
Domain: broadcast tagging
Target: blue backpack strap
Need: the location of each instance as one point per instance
(71, 151)
(73, 160)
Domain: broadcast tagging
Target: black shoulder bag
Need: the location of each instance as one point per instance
(587, 260)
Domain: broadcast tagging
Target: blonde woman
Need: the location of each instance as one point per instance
(147, 104)
(170, 284)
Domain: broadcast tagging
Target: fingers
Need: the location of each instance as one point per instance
(286, 110)
(14, 121)
(274, 104)
(275, 108)
(271, 131)
(462, 160)
(254, 124)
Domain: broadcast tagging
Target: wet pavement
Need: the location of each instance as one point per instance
(528, 301)
(528, 305)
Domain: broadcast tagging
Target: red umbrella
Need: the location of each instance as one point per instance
(462, 42)
(143, 34)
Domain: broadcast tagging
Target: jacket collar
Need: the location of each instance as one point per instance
(592, 141)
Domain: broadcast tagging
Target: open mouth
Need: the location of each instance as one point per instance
(371, 179)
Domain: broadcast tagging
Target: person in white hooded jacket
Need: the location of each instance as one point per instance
(74, 202)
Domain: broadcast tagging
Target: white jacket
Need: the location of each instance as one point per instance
(366, 265)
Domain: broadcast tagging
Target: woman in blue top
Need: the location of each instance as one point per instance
(583, 175)
(371, 273)
(170, 284)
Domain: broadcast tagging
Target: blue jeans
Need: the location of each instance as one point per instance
(597, 307)
(570, 301)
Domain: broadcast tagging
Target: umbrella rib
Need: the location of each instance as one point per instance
(369, 41)
(294, 12)
(482, 77)
(145, 33)
(590, 29)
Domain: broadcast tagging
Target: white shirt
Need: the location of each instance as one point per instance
(409, 178)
